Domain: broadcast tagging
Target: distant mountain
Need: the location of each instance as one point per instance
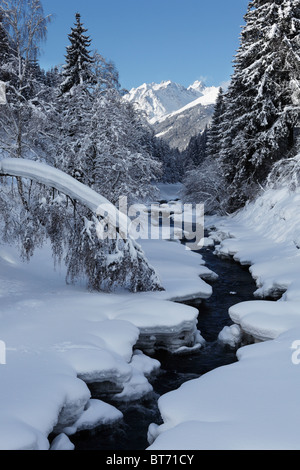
(175, 112)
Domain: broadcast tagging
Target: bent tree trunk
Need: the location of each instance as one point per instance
(117, 262)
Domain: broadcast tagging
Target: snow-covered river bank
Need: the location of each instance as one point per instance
(59, 339)
(131, 432)
(253, 403)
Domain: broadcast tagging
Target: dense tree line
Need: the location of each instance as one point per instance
(254, 121)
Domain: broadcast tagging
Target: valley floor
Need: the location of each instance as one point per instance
(57, 338)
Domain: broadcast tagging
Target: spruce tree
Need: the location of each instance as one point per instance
(196, 151)
(214, 132)
(4, 45)
(262, 102)
(78, 68)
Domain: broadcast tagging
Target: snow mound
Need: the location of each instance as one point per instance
(62, 442)
(231, 336)
(96, 413)
(249, 405)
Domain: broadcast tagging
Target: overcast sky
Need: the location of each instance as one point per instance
(153, 40)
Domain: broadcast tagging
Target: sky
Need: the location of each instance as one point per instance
(153, 40)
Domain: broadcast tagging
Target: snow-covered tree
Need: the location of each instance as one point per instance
(105, 72)
(118, 162)
(70, 218)
(26, 26)
(102, 141)
(262, 102)
(72, 121)
(171, 159)
(71, 131)
(214, 135)
(78, 67)
(203, 180)
(196, 151)
(4, 50)
(107, 264)
(205, 185)
(53, 77)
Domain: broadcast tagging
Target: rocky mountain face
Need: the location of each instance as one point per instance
(176, 113)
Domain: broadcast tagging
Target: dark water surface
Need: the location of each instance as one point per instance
(131, 433)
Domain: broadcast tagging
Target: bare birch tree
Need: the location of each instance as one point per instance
(25, 26)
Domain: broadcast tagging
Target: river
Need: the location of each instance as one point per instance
(234, 285)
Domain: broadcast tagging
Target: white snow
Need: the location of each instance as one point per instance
(206, 241)
(209, 97)
(60, 337)
(179, 271)
(198, 86)
(250, 405)
(273, 31)
(64, 183)
(3, 99)
(254, 403)
(62, 442)
(231, 335)
(161, 100)
(96, 412)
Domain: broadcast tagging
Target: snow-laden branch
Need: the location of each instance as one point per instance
(54, 178)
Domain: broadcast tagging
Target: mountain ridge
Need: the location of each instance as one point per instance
(175, 112)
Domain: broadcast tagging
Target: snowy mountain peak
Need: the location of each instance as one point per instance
(158, 100)
(163, 85)
(197, 86)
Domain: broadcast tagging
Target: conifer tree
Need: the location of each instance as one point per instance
(196, 151)
(4, 45)
(262, 102)
(170, 159)
(78, 68)
(214, 132)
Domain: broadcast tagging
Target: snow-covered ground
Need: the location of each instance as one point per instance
(57, 338)
(254, 403)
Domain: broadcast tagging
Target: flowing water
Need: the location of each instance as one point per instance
(234, 285)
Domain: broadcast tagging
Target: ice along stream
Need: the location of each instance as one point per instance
(234, 285)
